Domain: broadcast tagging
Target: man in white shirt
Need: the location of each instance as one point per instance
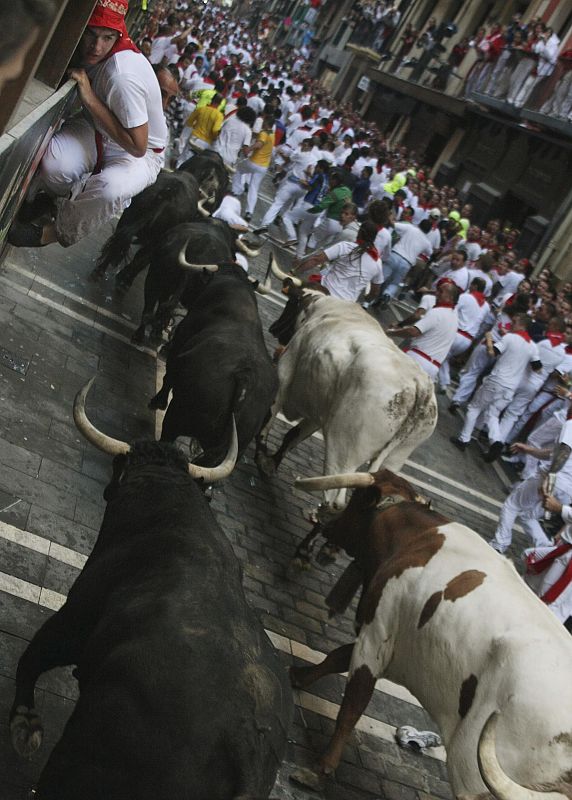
(299, 166)
(235, 136)
(351, 266)
(525, 502)
(435, 332)
(412, 243)
(120, 147)
(471, 310)
(551, 352)
(516, 351)
(457, 270)
(482, 269)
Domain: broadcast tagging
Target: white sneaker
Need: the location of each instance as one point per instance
(408, 736)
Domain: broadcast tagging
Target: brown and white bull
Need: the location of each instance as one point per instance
(340, 373)
(451, 620)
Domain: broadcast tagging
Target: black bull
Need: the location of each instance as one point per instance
(217, 365)
(181, 693)
(171, 200)
(207, 242)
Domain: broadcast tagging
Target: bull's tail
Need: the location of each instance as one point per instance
(116, 249)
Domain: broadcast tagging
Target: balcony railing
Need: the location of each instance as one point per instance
(512, 86)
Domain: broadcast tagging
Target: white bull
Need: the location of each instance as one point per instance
(451, 620)
(342, 375)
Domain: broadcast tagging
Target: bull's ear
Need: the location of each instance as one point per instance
(370, 497)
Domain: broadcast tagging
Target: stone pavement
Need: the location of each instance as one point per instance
(57, 330)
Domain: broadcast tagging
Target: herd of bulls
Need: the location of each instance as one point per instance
(181, 692)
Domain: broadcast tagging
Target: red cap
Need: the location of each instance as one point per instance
(110, 14)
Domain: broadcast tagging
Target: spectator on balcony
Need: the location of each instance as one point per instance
(526, 63)
(490, 47)
(546, 48)
(498, 85)
(407, 40)
(458, 53)
(389, 22)
(95, 166)
(559, 104)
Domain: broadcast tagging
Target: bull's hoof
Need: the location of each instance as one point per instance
(266, 465)
(309, 779)
(26, 731)
(327, 555)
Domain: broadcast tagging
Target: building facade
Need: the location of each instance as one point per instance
(481, 91)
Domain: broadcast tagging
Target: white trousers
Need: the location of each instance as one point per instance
(256, 173)
(476, 365)
(541, 583)
(525, 503)
(325, 232)
(490, 400)
(460, 344)
(511, 421)
(86, 201)
(543, 436)
(431, 369)
(307, 224)
(288, 193)
(294, 216)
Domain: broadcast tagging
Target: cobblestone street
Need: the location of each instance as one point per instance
(58, 330)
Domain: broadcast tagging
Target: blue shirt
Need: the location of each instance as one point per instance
(319, 186)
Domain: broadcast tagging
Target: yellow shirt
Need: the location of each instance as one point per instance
(206, 122)
(264, 154)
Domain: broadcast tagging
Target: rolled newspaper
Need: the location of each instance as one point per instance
(549, 482)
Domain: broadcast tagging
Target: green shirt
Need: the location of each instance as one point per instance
(333, 202)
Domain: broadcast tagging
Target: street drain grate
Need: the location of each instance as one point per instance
(13, 362)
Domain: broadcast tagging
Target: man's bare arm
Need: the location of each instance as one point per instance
(133, 140)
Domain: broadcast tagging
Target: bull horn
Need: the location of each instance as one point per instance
(348, 480)
(113, 447)
(223, 470)
(246, 250)
(187, 265)
(263, 288)
(496, 780)
(282, 276)
(202, 209)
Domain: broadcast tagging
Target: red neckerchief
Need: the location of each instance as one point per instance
(380, 228)
(444, 305)
(524, 335)
(555, 338)
(536, 566)
(510, 300)
(372, 251)
(568, 349)
(123, 43)
(479, 297)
